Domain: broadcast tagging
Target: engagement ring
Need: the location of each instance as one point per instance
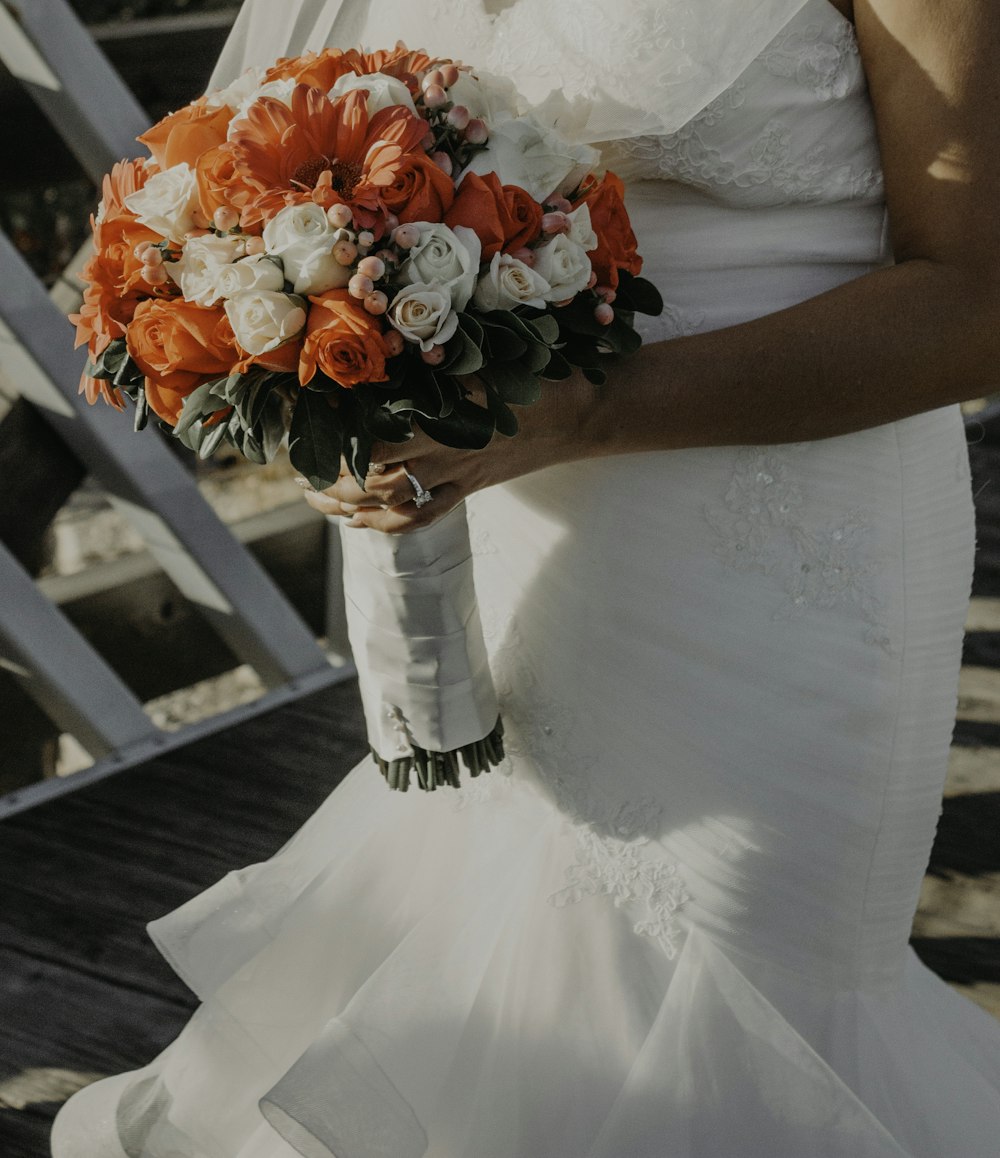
(376, 468)
(421, 496)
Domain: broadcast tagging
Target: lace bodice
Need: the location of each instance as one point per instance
(796, 127)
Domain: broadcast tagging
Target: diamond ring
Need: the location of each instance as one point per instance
(376, 468)
(421, 496)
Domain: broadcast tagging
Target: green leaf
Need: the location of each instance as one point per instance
(595, 374)
(462, 354)
(467, 427)
(382, 423)
(638, 294)
(316, 439)
(271, 425)
(199, 404)
(141, 409)
(109, 360)
(545, 327)
(212, 440)
(558, 368)
(501, 343)
(536, 357)
(504, 418)
(513, 383)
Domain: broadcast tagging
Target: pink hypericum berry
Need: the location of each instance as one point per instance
(225, 218)
(339, 216)
(366, 239)
(564, 302)
(435, 96)
(200, 220)
(140, 249)
(154, 275)
(152, 256)
(592, 280)
(604, 314)
(394, 343)
(449, 75)
(428, 142)
(526, 255)
(376, 303)
(432, 78)
(560, 204)
(406, 236)
(458, 117)
(360, 286)
(391, 221)
(373, 267)
(255, 245)
(476, 132)
(555, 223)
(434, 356)
(387, 256)
(443, 162)
(345, 252)
(606, 292)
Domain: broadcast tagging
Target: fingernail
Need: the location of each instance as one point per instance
(357, 521)
(349, 507)
(304, 483)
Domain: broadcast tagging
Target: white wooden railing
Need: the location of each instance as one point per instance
(46, 47)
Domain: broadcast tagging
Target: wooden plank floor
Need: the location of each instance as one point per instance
(83, 992)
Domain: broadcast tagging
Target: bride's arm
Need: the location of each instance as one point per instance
(911, 337)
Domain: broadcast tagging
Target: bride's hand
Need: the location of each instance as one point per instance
(551, 430)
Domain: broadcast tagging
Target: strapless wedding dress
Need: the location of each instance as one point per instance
(674, 924)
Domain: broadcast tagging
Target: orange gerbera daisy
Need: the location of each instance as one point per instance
(323, 69)
(321, 150)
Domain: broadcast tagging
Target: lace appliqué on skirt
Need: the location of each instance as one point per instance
(761, 525)
(616, 850)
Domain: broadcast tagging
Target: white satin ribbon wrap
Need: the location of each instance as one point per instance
(414, 627)
(630, 67)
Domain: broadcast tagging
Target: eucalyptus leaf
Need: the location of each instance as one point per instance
(513, 383)
(558, 368)
(212, 440)
(141, 409)
(463, 356)
(545, 327)
(536, 357)
(271, 426)
(501, 343)
(198, 404)
(504, 418)
(595, 374)
(636, 293)
(316, 439)
(468, 427)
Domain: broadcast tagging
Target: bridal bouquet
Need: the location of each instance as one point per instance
(324, 251)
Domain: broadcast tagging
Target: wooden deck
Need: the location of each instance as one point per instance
(83, 992)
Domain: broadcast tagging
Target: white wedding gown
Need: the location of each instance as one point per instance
(674, 924)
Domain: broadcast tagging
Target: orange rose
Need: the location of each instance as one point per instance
(523, 223)
(617, 247)
(183, 136)
(322, 70)
(178, 346)
(218, 181)
(480, 206)
(420, 191)
(343, 340)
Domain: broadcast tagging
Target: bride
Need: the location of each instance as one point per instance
(724, 598)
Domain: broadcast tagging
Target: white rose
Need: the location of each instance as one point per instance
(383, 91)
(251, 273)
(423, 313)
(302, 236)
(509, 283)
(445, 257)
(580, 229)
(199, 264)
(263, 319)
(565, 266)
(236, 93)
(166, 203)
(522, 151)
(492, 98)
(280, 90)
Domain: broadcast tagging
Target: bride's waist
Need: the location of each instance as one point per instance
(717, 264)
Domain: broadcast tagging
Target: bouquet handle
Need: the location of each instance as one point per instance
(414, 627)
